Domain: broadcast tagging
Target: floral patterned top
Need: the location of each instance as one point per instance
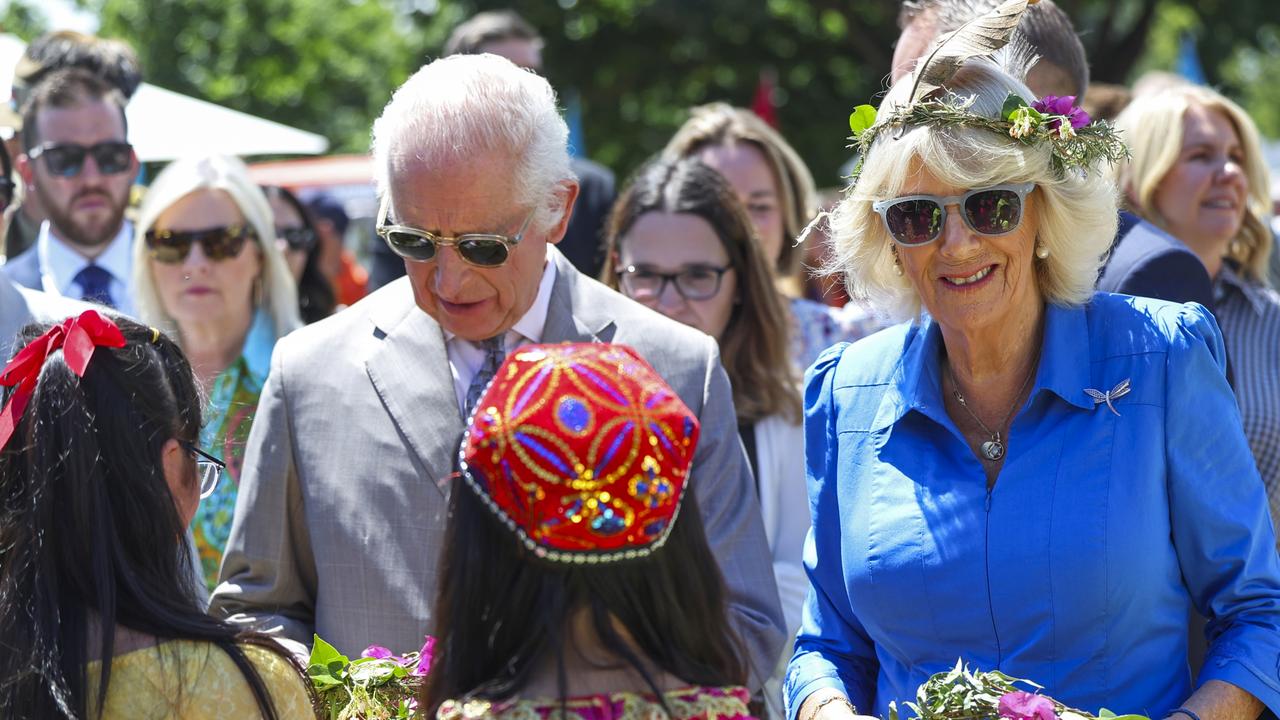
(195, 680)
(694, 703)
(233, 401)
(816, 327)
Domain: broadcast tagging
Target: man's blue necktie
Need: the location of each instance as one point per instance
(95, 284)
(494, 353)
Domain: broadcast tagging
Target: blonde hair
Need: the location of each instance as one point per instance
(718, 124)
(1152, 125)
(279, 295)
(1076, 213)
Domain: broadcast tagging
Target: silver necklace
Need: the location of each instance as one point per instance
(993, 449)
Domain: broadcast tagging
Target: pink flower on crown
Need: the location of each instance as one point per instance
(379, 652)
(1064, 106)
(1020, 705)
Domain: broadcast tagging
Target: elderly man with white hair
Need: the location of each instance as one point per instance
(342, 499)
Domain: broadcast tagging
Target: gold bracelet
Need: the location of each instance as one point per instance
(827, 701)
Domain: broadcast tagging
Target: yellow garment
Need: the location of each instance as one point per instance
(194, 680)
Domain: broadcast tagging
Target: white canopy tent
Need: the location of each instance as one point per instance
(164, 125)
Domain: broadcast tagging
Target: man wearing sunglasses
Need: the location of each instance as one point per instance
(20, 305)
(79, 165)
(344, 489)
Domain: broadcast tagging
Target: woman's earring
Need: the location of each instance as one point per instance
(1042, 250)
(897, 263)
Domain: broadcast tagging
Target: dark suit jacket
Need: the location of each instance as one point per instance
(1149, 262)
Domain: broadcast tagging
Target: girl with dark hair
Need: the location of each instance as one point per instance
(99, 477)
(572, 580)
(297, 238)
(680, 242)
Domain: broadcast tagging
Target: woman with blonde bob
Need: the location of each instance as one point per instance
(776, 188)
(1026, 475)
(207, 269)
(1197, 171)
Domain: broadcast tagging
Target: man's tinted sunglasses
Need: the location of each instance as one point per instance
(487, 250)
(67, 159)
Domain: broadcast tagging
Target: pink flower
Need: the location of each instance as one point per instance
(377, 651)
(424, 657)
(1020, 705)
(1064, 106)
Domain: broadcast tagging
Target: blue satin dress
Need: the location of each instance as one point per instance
(1079, 567)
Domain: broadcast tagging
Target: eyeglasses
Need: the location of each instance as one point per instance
(695, 282)
(486, 250)
(208, 467)
(217, 243)
(301, 239)
(918, 219)
(67, 159)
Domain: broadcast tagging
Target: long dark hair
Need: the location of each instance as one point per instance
(316, 297)
(88, 525)
(501, 611)
(755, 344)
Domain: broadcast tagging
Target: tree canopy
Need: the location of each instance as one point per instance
(635, 65)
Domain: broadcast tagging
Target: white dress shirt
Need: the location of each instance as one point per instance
(466, 357)
(60, 262)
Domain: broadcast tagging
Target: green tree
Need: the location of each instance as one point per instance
(321, 65)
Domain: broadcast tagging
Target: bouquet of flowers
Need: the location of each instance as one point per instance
(377, 685)
(960, 694)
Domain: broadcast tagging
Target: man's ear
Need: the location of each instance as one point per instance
(567, 193)
(26, 169)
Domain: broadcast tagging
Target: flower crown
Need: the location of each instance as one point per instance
(1075, 140)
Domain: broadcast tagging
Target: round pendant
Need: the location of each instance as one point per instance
(993, 450)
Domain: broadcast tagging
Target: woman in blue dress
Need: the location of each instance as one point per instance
(1028, 476)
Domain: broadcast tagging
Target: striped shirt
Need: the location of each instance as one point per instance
(1249, 314)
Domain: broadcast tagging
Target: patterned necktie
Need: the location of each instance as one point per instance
(95, 284)
(494, 353)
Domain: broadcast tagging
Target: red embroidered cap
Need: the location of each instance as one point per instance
(582, 450)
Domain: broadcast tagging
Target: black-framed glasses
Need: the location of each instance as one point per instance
(487, 250)
(693, 282)
(67, 159)
(301, 239)
(208, 467)
(217, 243)
(918, 219)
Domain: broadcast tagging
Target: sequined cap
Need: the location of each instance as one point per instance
(583, 451)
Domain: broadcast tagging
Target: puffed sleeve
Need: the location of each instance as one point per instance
(1222, 531)
(832, 649)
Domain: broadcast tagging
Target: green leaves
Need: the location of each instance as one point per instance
(326, 667)
(964, 694)
(862, 118)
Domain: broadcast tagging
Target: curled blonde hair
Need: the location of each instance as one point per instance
(1076, 213)
(227, 174)
(718, 124)
(1153, 128)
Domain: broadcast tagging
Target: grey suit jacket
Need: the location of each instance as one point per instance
(342, 499)
(19, 306)
(25, 269)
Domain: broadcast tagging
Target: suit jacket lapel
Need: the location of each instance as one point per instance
(410, 372)
(571, 314)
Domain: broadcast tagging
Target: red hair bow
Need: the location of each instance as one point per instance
(77, 337)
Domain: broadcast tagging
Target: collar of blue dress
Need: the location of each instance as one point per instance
(1065, 367)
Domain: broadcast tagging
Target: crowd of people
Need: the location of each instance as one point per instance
(606, 446)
